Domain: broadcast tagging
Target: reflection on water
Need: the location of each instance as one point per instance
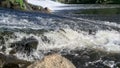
(100, 11)
(102, 14)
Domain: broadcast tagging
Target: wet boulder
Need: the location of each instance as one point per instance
(25, 45)
(46, 10)
(5, 3)
(11, 61)
(1, 63)
(30, 42)
(53, 61)
(10, 65)
(39, 8)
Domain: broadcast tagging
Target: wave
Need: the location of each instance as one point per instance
(42, 21)
(55, 33)
(105, 41)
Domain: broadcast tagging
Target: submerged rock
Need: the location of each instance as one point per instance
(53, 61)
(1, 63)
(30, 42)
(11, 61)
(46, 10)
(25, 45)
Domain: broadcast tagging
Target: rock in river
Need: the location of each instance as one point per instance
(25, 45)
(53, 61)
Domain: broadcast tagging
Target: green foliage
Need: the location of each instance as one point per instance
(92, 1)
(106, 11)
(116, 1)
(20, 2)
(104, 1)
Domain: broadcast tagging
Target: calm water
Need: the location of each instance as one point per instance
(94, 12)
(89, 38)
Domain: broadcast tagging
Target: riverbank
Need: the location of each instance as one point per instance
(23, 6)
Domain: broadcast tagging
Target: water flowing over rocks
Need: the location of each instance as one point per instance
(27, 37)
(28, 44)
(53, 61)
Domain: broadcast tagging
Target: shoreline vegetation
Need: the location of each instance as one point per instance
(90, 1)
(23, 5)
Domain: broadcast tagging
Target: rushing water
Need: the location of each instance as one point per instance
(88, 43)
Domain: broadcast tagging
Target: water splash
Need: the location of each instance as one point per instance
(46, 3)
(107, 41)
(55, 6)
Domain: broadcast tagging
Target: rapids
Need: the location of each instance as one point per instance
(88, 43)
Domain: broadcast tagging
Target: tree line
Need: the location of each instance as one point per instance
(91, 1)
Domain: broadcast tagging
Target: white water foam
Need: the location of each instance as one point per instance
(107, 41)
(54, 5)
(46, 3)
(13, 21)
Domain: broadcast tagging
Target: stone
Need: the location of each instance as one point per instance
(52, 61)
(31, 42)
(46, 10)
(13, 51)
(11, 61)
(10, 65)
(3, 3)
(26, 44)
(1, 63)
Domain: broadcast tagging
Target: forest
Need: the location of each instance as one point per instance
(91, 1)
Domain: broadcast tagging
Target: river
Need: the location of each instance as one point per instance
(90, 38)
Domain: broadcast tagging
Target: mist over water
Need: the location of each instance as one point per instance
(88, 43)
